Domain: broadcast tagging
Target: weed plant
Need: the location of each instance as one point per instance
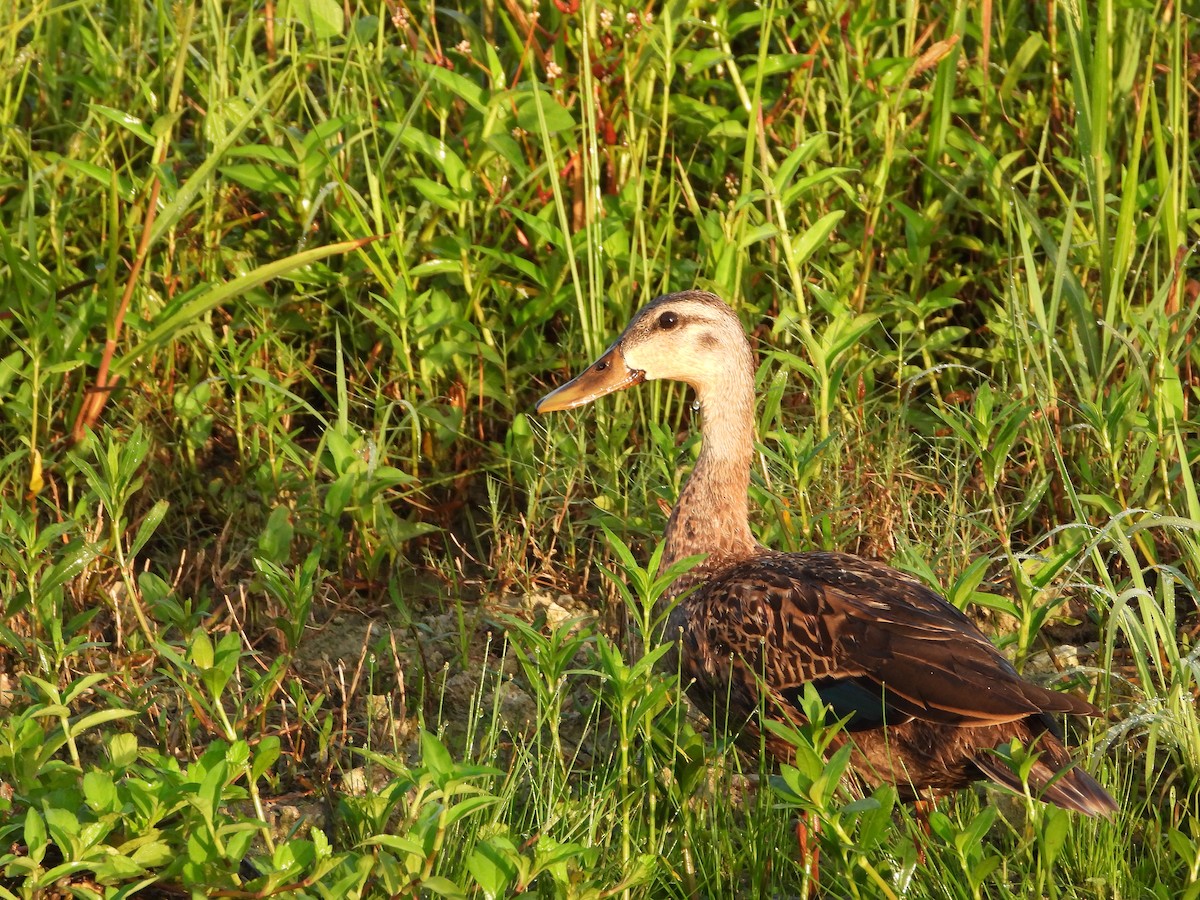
(297, 598)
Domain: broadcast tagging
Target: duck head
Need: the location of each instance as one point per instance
(691, 336)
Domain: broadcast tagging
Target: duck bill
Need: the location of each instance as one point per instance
(607, 374)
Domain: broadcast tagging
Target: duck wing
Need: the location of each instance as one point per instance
(878, 646)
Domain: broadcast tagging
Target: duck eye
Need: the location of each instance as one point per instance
(668, 320)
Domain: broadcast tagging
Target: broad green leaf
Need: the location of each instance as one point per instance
(464, 808)
(99, 792)
(727, 128)
(148, 526)
(443, 887)
(324, 18)
(776, 64)
(704, 59)
(99, 717)
(275, 541)
(262, 177)
(434, 755)
(456, 174)
(126, 189)
(557, 117)
(76, 558)
(815, 236)
(491, 865)
(437, 267)
(122, 749)
(35, 835)
(265, 755)
(130, 123)
(460, 86)
(762, 232)
(436, 192)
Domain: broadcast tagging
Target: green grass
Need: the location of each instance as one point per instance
(282, 550)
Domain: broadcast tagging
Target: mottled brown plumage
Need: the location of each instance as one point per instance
(927, 695)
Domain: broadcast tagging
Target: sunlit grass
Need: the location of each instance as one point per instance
(283, 549)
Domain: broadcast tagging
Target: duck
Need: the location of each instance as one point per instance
(924, 697)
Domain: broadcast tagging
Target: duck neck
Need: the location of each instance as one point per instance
(712, 515)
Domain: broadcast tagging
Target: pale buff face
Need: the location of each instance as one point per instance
(691, 336)
(688, 337)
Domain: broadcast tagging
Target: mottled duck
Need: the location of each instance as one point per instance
(926, 697)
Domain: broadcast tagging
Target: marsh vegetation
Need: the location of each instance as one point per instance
(299, 598)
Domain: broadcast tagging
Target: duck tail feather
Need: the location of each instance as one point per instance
(1070, 787)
